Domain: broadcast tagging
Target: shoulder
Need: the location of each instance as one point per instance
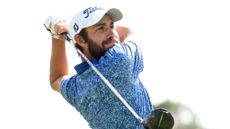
(121, 54)
(122, 50)
(131, 44)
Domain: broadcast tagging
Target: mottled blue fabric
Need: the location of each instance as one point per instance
(86, 92)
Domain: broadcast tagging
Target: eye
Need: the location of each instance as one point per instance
(100, 28)
(112, 26)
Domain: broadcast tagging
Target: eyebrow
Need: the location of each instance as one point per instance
(100, 24)
(103, 24)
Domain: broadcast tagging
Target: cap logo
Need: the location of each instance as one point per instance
(89, 10)
(75, 27)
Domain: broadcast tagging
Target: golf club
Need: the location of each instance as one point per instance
(157, 119)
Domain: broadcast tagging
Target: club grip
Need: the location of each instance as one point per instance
(66, 36)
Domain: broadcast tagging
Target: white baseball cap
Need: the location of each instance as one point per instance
(90, 16)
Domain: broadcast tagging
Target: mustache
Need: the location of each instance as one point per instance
(108, 41)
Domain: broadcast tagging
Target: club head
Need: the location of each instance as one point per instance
(159, 119)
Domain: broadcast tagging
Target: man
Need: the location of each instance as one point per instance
(119, 59)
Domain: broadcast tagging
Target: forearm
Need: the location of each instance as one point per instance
(58, 61)
(124, 32)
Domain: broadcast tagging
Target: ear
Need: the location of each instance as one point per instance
(80, 40)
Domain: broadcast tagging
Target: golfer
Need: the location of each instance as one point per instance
(112, 51)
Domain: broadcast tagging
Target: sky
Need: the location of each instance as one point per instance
(185, 48)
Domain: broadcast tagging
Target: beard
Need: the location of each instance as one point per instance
(97, 51)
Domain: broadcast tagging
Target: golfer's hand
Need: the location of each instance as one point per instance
(61, 27)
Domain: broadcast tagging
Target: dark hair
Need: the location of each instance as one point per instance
(84, 34)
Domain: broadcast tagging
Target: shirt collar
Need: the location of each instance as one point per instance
(80, 68)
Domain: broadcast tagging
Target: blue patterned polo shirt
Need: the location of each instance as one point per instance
(98, 105)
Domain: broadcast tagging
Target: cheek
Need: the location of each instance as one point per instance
(97, 39)
(116, 35)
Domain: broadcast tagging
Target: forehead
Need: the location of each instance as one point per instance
(105, 20)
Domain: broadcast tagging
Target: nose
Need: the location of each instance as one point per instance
(110, 32)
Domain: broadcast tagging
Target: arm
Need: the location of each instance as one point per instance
(127, 34)
(58, 60)
(124, 33)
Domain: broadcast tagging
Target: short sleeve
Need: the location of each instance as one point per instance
(123, 59)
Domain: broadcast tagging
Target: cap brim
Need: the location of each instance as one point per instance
(114, 14)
